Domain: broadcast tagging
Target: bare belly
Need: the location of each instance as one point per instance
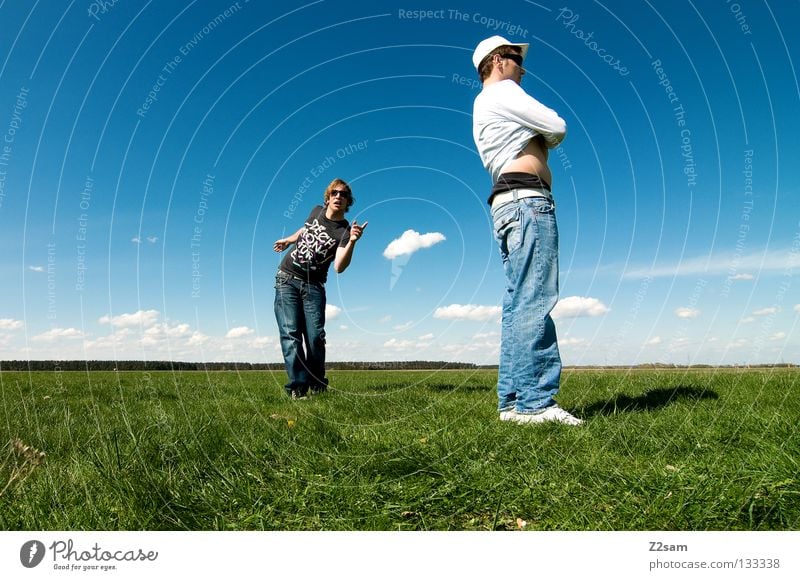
(532, 159)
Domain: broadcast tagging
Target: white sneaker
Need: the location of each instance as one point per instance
(508, 414)
(554, 413)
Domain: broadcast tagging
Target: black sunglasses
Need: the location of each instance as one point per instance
(517, 58)
(339, 192)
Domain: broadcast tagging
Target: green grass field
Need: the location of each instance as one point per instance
(675, 450)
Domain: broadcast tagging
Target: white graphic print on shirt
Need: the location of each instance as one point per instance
(314, 242)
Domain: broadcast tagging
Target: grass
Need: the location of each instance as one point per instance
(676, 450)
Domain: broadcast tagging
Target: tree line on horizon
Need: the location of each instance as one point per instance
(140, 365)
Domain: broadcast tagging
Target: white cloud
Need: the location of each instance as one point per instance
(143, 318)
(164, 330)
(578, 307)
(10, 324)
(494, 335)
(152, 239)
(468, 312)
(797, 308)
(571, 341)
(748, 320)
(687, 313)
(765, 311)
(740, 343)
(395, 344)
(36, 268)
(404, 345)
(136, 240)
(410, 242)
(742, 277)
(778, 336)
(332, 311)
(55, 334)
(655, 341)
(344, 327)
(239, 332)
(261, 342)
(427, 337)
(197, 339)
(385, 319)
(404, 326)
(766, 261)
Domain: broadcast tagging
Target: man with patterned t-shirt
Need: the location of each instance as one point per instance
(326, 238)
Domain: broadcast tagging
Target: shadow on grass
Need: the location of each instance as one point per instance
(651, 400)
(469, 387)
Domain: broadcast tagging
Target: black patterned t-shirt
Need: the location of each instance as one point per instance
(315, 249)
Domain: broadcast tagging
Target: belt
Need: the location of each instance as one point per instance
(499, 199)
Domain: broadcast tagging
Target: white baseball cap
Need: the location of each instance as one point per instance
(488, 45)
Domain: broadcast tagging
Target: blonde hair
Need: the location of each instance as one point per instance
(339, 184)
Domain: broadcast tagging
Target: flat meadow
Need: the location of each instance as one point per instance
(682, 449)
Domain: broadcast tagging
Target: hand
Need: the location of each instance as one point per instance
(281, 245)
(356, 231)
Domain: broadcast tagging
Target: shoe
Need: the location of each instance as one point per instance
(555, 414)
(298, 395)
(318, 390)
(508, 414)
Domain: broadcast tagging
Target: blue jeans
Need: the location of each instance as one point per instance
(530, 364)
(300, 313)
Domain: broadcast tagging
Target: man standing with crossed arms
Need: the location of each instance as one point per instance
(513, 132)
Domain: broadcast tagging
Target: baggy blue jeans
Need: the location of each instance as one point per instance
(300, 313)
(530, 364)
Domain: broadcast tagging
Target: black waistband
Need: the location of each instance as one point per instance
(517, 180)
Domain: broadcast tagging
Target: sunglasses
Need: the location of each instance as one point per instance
(517, 58)
(339, 193)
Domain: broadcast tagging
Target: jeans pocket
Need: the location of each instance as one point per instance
(507, 230)
(541, 205)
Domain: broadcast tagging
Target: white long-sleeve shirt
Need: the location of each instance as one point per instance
(505, 118)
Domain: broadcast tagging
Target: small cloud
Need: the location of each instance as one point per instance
(197, 339)
(261, 342)
(778, 336)
(765, 311)
(687, 313)
(404, 326)
(10, 324)
(748, 319)
(164, 330)
(136, 240)
(571, 341)
(152, 239)
(797, 308)
(486, 335)
(36, 268)
(410, 242)
(468, 312)
(401, 345)
(579, 307)
(55, 334)
(742, 277)
(426, 337)
(332, 311)
(143, 318)
(655, 341)
(385, 319)
(344, 327)
(239, 332)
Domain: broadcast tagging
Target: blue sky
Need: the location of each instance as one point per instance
(150, 154)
